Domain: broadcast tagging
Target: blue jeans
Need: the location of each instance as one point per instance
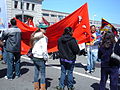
(66, 68)
(92, 57)
(39, 66)
(13, 63)
(113, 73)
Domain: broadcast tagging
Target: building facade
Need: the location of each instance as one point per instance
(24, 9)
(53, 16)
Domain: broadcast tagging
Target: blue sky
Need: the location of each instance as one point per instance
(108, 9)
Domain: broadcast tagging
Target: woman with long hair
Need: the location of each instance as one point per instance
(104, 53)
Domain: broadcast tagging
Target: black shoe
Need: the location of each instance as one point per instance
(72, 88)
(59, 88)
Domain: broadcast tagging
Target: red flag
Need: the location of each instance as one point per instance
(45, 21)
(26, 33)
(105, 23)
(78, 20)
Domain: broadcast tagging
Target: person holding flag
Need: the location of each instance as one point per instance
(92, 50)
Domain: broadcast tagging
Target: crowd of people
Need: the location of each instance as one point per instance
(100, 49)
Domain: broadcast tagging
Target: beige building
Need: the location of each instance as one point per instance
(53, 16)
(24, 8)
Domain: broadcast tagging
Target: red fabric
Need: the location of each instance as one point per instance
(26, 33)
(81, 33)
(45, 21)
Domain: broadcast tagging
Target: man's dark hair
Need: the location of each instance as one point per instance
(67, 30)
(13, 22)
(92, 26)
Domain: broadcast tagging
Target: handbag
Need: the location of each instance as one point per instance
(115, 56)
(114, 59)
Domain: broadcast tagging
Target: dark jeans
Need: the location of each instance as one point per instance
(66, 68)
(13, 63)
(39, 64)
(113, 73)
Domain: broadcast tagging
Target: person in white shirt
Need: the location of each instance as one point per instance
(40, 55)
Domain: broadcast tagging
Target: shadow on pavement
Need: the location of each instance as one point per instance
(57, 65)
(26, 64)
(48, 82)
(3, 72)
(95, 86)
(80, 65)
(24, 70)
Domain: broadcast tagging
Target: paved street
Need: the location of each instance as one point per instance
(82, 81)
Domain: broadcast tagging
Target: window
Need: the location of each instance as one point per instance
(60, 17)
(45, 14)
(22, 5)
(15, 4)
(33, 7)
(27, 6)
(53, 15)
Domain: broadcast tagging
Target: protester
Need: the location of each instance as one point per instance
(92, 50)
(40, 55)
(107, 69)
(13, 48)
(68, 48)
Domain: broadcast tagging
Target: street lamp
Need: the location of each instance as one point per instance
(94, 18)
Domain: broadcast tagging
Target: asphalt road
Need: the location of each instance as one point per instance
(82, 81)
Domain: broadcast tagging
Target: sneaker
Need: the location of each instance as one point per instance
(8, 78)
(17, 77)
(87, 71)
(93, 70)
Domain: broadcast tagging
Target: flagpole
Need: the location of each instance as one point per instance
(22, 10)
